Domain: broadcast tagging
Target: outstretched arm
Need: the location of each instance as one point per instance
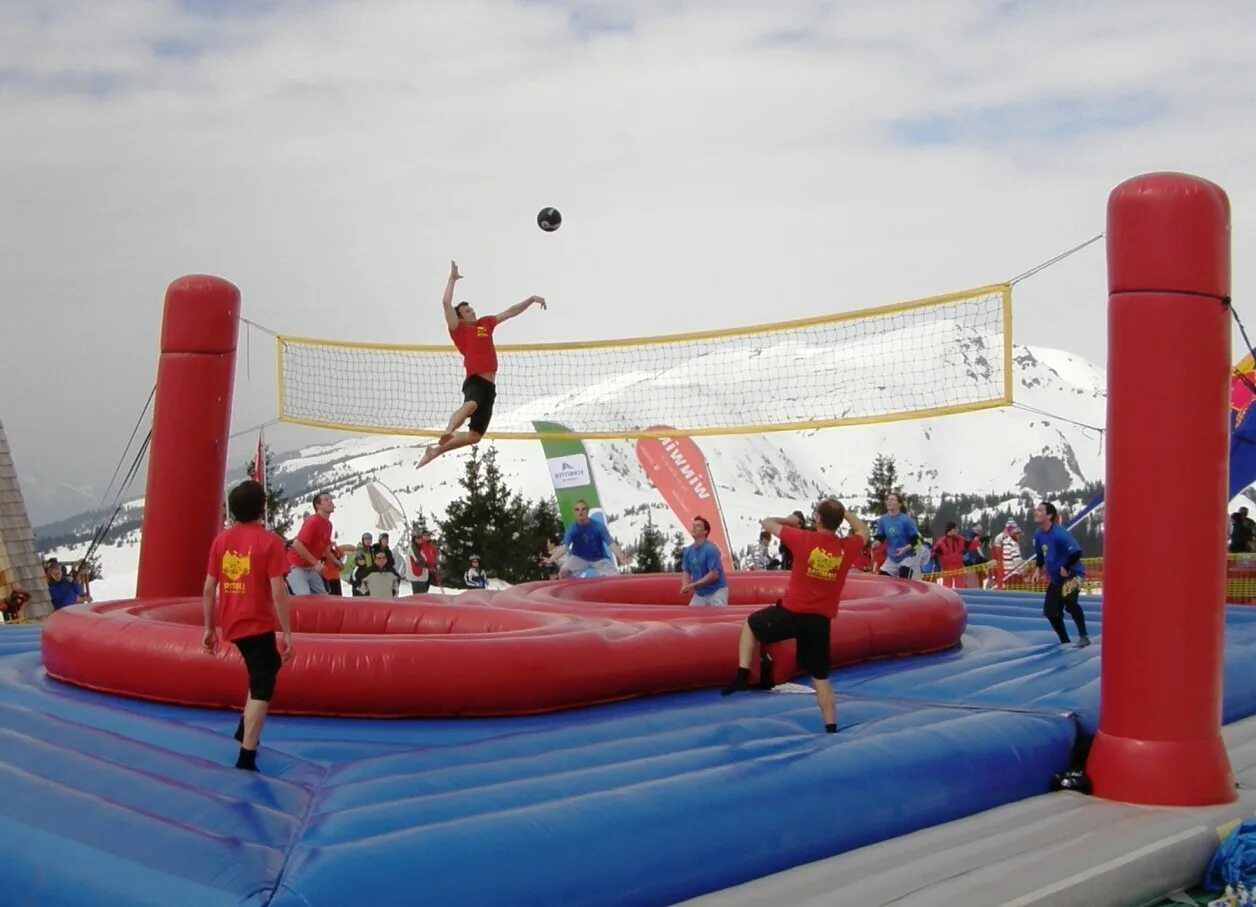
(774, 525)
(451, 317)
(520, 307)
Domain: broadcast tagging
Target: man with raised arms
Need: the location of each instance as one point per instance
(805, 613)
(473, 336)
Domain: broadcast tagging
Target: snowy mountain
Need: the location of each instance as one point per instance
(1007, 449)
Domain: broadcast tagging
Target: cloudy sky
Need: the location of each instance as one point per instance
(718, 162)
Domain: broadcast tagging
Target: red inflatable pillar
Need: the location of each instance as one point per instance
(1159, 739)
(187, 460)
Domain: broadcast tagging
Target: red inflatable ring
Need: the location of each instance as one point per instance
(534, 648)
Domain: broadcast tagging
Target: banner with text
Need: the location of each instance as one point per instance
(679, 471)
(571, 472)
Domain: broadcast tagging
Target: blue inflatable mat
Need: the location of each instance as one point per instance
(115, 801)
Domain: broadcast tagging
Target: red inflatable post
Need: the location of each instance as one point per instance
(187, 460)
(1159, 739)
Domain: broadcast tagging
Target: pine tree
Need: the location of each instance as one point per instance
(506, 531)
(882, 481)
(650, 548)
(679, 544)
(278, 507)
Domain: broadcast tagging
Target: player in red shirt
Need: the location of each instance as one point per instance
(474, 339)
(249, 564)
(312, 549)
(821, 561)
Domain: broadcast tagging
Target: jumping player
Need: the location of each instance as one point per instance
(1057, 551)
(474, 339)
(821, 561)
(249, 563)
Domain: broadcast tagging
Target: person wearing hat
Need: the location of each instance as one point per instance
(61, 589)
(1008, 550)
(361, 568)
(475, 576)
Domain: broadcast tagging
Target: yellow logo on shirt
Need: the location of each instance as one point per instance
(481, 331)
(822, 565)
(235, 567)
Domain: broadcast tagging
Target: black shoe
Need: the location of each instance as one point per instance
(765, 674)
(740, 682)
(247, 760)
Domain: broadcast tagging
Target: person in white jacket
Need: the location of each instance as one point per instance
(476, 578)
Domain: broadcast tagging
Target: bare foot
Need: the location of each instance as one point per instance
(428, 456)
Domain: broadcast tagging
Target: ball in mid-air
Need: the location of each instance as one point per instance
(549, 219)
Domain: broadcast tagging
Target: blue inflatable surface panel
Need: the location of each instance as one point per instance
(113, 801)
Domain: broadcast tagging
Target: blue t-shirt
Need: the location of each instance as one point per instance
(1053, 548)
(588, 542)
(64, 593)
(698, 561)
(897, 531)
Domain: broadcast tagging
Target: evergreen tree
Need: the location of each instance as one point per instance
(540, 522)
(679, 544)
(278, 508)
(920, 508)
(506, 531)
(882, 481)
(650, 548)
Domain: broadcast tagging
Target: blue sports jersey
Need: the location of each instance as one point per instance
(898, 531)
(698, 561)
(1053, 548)
(588, 542)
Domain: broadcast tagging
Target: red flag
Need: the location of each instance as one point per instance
(679, 471)
(259, 463)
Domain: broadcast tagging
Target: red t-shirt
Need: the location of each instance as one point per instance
(244, 559)
(475, 342)
(315, 535)
(821, 562)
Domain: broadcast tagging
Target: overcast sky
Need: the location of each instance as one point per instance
(717, 163)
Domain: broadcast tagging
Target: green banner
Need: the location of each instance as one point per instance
(571, 472)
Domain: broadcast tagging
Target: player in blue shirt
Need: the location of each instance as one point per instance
(704, 574)
(586, 546)
(897, 532)
(1061, 556)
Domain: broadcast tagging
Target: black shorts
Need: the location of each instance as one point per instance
(261, 657)
(776, 624)
(484, 392)
(1056, 602)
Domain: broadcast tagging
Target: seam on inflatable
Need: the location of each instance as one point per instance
(298, 835)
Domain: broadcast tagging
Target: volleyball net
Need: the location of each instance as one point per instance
(929, 357)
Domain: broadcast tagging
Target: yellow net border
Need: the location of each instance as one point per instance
(288, 348)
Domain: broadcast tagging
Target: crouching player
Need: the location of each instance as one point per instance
(821, 561)
(249, 563)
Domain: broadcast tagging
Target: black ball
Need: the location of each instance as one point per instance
(549, 219)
